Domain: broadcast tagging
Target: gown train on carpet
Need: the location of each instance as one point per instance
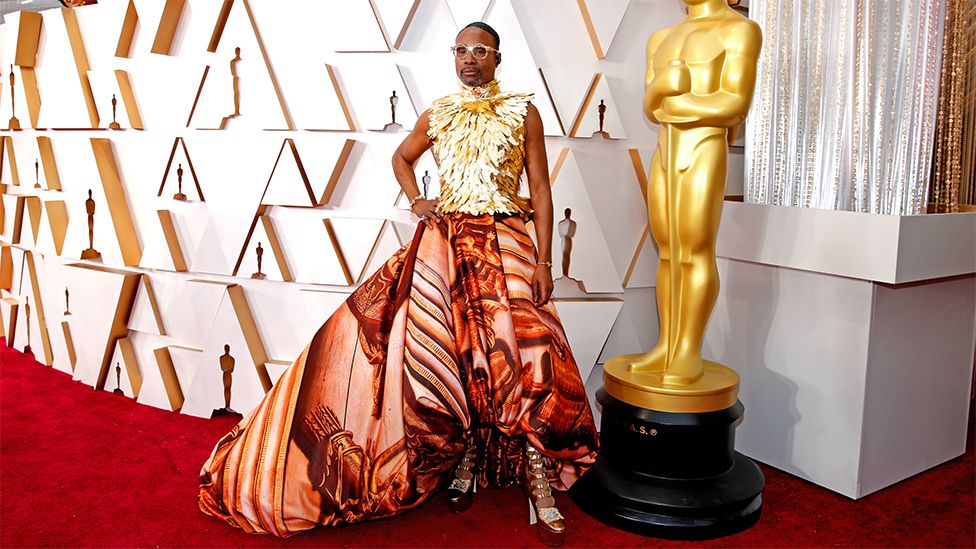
(371, 418)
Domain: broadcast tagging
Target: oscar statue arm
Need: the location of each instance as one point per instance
(655, 89)
(728, 106)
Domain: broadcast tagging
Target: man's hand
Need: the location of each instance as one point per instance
(426, 210)
(541, 285)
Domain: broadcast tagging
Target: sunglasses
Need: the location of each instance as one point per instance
(479, 51)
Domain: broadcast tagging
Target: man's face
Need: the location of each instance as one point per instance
(471, 71)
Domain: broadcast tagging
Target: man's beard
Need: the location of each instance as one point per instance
(472, 79)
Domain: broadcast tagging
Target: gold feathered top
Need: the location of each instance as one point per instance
(478, 137)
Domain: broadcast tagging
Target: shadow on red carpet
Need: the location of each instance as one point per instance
(86, 468)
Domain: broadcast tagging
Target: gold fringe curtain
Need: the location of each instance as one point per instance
(846, 101)
(954, 177)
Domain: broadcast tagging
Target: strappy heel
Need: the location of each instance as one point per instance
(460, 493)
(550, 523)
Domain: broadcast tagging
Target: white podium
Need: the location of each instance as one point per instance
(854, 335)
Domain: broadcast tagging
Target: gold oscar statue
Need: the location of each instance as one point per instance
(393, 126)
(27, 310)
(227, 367)
(699, 83)
(115, 124)
(601, 110)
(91, 254)
(667, 466)
(179, 183)
(236, 85)
(118, 379)
(227, 362)
(260, 253)
(13, 124)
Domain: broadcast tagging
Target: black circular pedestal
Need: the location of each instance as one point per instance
(670, 475)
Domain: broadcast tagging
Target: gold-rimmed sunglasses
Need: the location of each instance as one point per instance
(479, 51)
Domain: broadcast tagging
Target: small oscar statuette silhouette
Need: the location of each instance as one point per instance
(114, 125)
(14, 124)
(426, 181)
(90, 253)
(118, 380)
(393, 126)
(259, 275)
(37, 174)
(237, 88)
(227, 368)
(27, 310)
(567, 286)
(602, 109)
(179, 183)
(67, 297)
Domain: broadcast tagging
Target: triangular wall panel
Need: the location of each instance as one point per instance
(602, 19)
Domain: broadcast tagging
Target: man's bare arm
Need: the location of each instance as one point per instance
(416, 143)
(537, 170)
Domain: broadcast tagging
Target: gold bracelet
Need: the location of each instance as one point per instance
(546, 263)
(416, 199)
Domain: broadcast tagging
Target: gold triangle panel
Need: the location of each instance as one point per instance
(120, 318)
(153, 303)
(34, 213)
(347, 148)
(219, 27)
(28, 36)
(586, 103)
(125, 230)
(168, 23)
(131, 365)
(124, 46)
(51, 177)
(179, 142)
(81, 62)
(69, 344)
(39, 308)
(6, 268)
(18, 220)
(250, 330)
(335, 245)
(288, 147)
(164, 361)
(172, 240)
(129, 99)
(8, 160)
(29, 80)
(276, 248)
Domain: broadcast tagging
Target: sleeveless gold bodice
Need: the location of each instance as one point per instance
(478, 139)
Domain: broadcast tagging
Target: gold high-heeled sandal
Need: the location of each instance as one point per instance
(550, 523)
(460, 493)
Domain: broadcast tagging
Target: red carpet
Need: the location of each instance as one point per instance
(85, 468)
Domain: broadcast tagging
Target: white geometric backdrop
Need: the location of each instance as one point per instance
(303, 171)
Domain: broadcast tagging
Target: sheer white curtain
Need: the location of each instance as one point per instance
(844, 112)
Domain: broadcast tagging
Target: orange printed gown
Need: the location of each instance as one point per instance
(370, 419)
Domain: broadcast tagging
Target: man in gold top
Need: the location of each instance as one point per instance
(700, 77)
(448, 367)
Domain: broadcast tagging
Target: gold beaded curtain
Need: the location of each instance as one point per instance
(953, 173)
(845, 108)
